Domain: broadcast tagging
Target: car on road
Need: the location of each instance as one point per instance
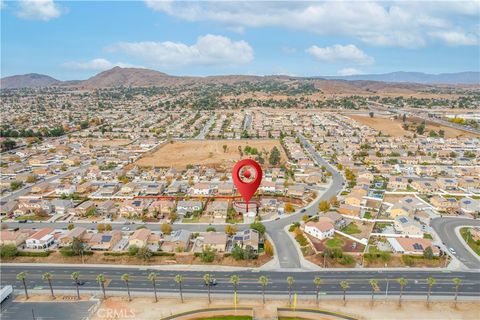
(125, 229)
(22, 221)
(452, 250)
(79, 282)
(303, 210)
(213, 282)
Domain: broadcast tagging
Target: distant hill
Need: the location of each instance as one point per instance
(468, 77)
(31, 80)
(396, 82)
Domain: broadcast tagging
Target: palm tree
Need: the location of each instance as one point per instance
(207, 278)
(317, 282)
(345, 285)
(48, 276)
(179, 280)
(457, 283)
(125, 277)
(430, 281)
(152, 276)
(290, 282)
(235, 280)
(263, 280)
(402, 282)
(21, 276)
(374, 285)
(101, 280)
(74, 277)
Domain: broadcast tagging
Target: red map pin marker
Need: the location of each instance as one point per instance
(241, 178)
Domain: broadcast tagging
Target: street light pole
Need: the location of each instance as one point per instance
(386, 291)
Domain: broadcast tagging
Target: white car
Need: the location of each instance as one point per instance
(452, 250)
(125, 228)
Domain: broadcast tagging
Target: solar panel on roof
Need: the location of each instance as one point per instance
(417, 246)
(403, 220)
(106, 238)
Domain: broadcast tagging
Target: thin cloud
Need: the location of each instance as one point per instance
(208, 50)
(98, 64)
(341, 54)
(43, 10)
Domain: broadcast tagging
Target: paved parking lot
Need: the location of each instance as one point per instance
(12, 310)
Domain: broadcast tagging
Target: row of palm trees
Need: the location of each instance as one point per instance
(234, 280)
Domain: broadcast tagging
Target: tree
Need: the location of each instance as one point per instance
(230, 229)
(402, 282)
(108, 227)
(8, 251)
(371, 114)
(100, 227)
(70, 226)
(323, 206)
(457, 283)
(101, 281)
(211, 229)
(207, 278)
(430, 281)
(48, 276)
(290, 283)
(179, 280)
(144, 253)
(374, 285)
(404, 117)
(235, 280)
(289, 207)
(152, 276)
(224, 148)
(260, 227)
(317, 282)
(166, 228)
(428, 253)
(263, 280)
(75, 275)
(268, 248)
(22, 276)
(274, 157)
(125, 277)
(345, 285)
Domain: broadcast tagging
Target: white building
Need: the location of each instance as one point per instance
(320, 230)
(42, 239)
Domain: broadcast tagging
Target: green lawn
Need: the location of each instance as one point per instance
(334, 243)
(475, 245)
(191, 220)
(352, 228)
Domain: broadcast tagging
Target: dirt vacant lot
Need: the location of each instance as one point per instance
(179, 154)
(394, 127)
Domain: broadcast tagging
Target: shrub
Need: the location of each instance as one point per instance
(133, 250)
(8, 251)
(268, 248)
(347, 260)
(207, 255)
(33, 254)
(408, 260)
(260, 227)
(301, 240)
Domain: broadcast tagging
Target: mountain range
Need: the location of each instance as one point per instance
(136, 77)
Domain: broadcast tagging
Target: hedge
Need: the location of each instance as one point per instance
(33, 254)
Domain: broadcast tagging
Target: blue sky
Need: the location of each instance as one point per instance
(75, 40)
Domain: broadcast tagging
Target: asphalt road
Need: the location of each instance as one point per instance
(445, 228)
(74, 310)
(193, 281)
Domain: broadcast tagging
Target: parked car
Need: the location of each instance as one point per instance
(452, 250)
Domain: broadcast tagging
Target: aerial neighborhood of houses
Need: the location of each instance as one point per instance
(394, 185)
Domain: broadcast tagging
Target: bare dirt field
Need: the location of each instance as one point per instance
(179, 154)
(145, 308)
(394, 127)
